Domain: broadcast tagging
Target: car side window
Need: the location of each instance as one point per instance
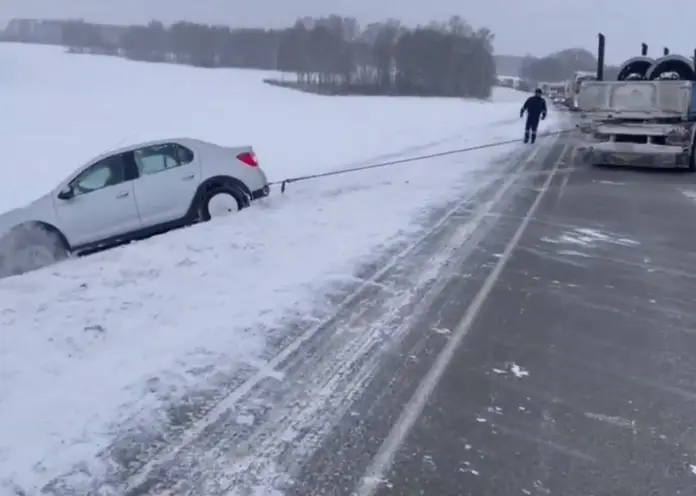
(107, 172)
(158, 158)
(184, 155)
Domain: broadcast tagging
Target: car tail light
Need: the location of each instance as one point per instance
(249, 158)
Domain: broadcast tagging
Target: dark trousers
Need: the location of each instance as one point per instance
(530, 128)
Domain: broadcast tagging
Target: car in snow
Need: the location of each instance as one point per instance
(129, 194)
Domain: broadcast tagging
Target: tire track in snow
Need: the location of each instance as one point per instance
(338, 464)
(291, 417)
(292, 355)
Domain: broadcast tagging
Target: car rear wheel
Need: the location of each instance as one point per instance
(29, 248)
(221, 202)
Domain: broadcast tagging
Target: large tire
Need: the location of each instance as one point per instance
(692, 156)
(30, 247)
(636, 65)
(683, 66)
(221, 201)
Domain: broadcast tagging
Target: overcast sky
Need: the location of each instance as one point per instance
(521, 26)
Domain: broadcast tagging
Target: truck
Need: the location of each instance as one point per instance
(557, 92)
(574, 87)
(638, 123)
(647, 118)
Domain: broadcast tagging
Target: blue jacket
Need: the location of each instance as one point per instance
(535, 106)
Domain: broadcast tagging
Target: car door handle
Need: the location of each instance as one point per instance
(122, 194)
(188, 178)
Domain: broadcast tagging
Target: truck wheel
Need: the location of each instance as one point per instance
(692, 157)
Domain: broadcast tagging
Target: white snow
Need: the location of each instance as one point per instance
(245, 419)
(590, 237)
(612, 420)
(689, 193)
(440, 330)
(95, 345)
(573, 253)
(518, 371)
(514, 369)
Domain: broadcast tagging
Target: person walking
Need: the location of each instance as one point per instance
(535, 106)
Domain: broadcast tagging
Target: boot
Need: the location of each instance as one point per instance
(533, 137)
(526, 136)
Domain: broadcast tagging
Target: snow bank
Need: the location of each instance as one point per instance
(509, 95)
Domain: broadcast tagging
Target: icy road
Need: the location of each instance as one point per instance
(496, 322)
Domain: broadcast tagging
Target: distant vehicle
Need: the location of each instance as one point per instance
(557, 92)
(130, 194)
(574, 86)
(510, 82)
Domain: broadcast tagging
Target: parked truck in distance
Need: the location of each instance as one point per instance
(648, 123)
(557, 92)
(575, 85)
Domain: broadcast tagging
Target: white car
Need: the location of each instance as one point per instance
(129, 194)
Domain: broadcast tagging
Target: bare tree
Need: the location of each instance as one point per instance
(560, 66)
(331, 55)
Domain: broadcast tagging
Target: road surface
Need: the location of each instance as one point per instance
(559, 361)
(536, 339)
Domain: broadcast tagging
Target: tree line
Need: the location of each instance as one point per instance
(333, 54)
(560, 66)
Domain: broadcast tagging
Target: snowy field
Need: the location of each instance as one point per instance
(95, 346)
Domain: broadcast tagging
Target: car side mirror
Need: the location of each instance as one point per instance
(66, 193)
